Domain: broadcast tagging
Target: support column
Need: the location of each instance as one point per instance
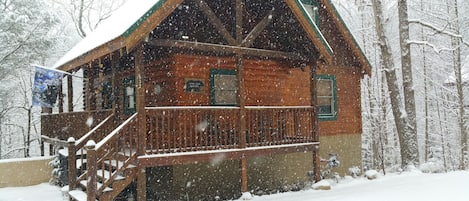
(115, 57)
(242, 121)
(141, 119)
(315, 119)
(70, 92)
(241, 96)
(88, 74)
(61, 97)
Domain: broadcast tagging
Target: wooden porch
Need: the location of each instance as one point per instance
(107, 159)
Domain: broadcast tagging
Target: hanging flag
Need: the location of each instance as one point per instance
(46, 87)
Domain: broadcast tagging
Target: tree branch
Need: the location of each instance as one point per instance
(439, 30)
(426, 43)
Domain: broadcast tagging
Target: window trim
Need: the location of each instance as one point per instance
(214, 72)
(333, 115)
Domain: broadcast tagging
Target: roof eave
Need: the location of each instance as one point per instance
(98, 52)
(365, 64)
(311, 29)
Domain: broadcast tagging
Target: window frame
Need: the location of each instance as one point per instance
(333, 115)
(213, 73)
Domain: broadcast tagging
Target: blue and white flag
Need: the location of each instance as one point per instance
(46, 87)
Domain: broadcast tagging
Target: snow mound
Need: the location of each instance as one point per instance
(322, 185)
(246, 196)
(371, 174)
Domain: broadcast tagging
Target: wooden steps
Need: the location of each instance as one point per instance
(77, 195)
(120, 180)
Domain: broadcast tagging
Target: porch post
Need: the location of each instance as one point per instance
(315, 119)
(70, 93)
(242, 122)
(141, 118)
(241, 96)
(87, 71)
(115, 91)
(61, 97)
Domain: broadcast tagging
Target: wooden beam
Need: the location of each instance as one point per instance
(244, 174)
(249, 40)
(70, 92)
(61, 97)
(239, 21)
(141, 118)
(158, 160)
(315, 123)
(137, 34)
(215, 21)
(115, 59)
(225, 49)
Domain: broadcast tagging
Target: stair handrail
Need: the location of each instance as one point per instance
(74, 146)
(109, 147)
(85, 138)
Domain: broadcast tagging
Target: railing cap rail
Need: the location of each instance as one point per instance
(225, 107)
(88, 135)
(115, 132)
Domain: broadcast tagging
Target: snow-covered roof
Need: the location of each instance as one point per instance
(118, 31)
(121, 21)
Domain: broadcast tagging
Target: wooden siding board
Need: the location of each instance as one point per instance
(349, 101)
(267, 82)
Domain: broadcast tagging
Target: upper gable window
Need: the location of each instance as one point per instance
(312, 7)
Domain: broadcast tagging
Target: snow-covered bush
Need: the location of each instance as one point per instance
(354, 171)
(432, 167)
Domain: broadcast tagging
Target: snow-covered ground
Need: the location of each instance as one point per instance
(409, 186)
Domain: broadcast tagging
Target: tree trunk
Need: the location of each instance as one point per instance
(456, 43)
(408, 141)
(391, 79)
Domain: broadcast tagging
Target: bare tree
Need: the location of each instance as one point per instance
(462, 121)
(88, 14)
(407, 138)
(26, 37)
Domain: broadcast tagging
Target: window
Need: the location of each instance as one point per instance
(326, 96)
(129, 95)
(223, 87)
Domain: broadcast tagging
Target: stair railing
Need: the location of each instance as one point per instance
(110, 157)
(77, 151)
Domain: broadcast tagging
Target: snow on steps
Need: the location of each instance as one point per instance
(99, 185)
(106, 175)
(78, 195)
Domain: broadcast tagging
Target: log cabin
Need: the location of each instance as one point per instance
(209, 99)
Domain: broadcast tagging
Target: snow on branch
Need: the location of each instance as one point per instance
(438, 51)
(439, 30)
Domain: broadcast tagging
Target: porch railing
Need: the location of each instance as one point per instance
(64, 125)
(183, 129)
